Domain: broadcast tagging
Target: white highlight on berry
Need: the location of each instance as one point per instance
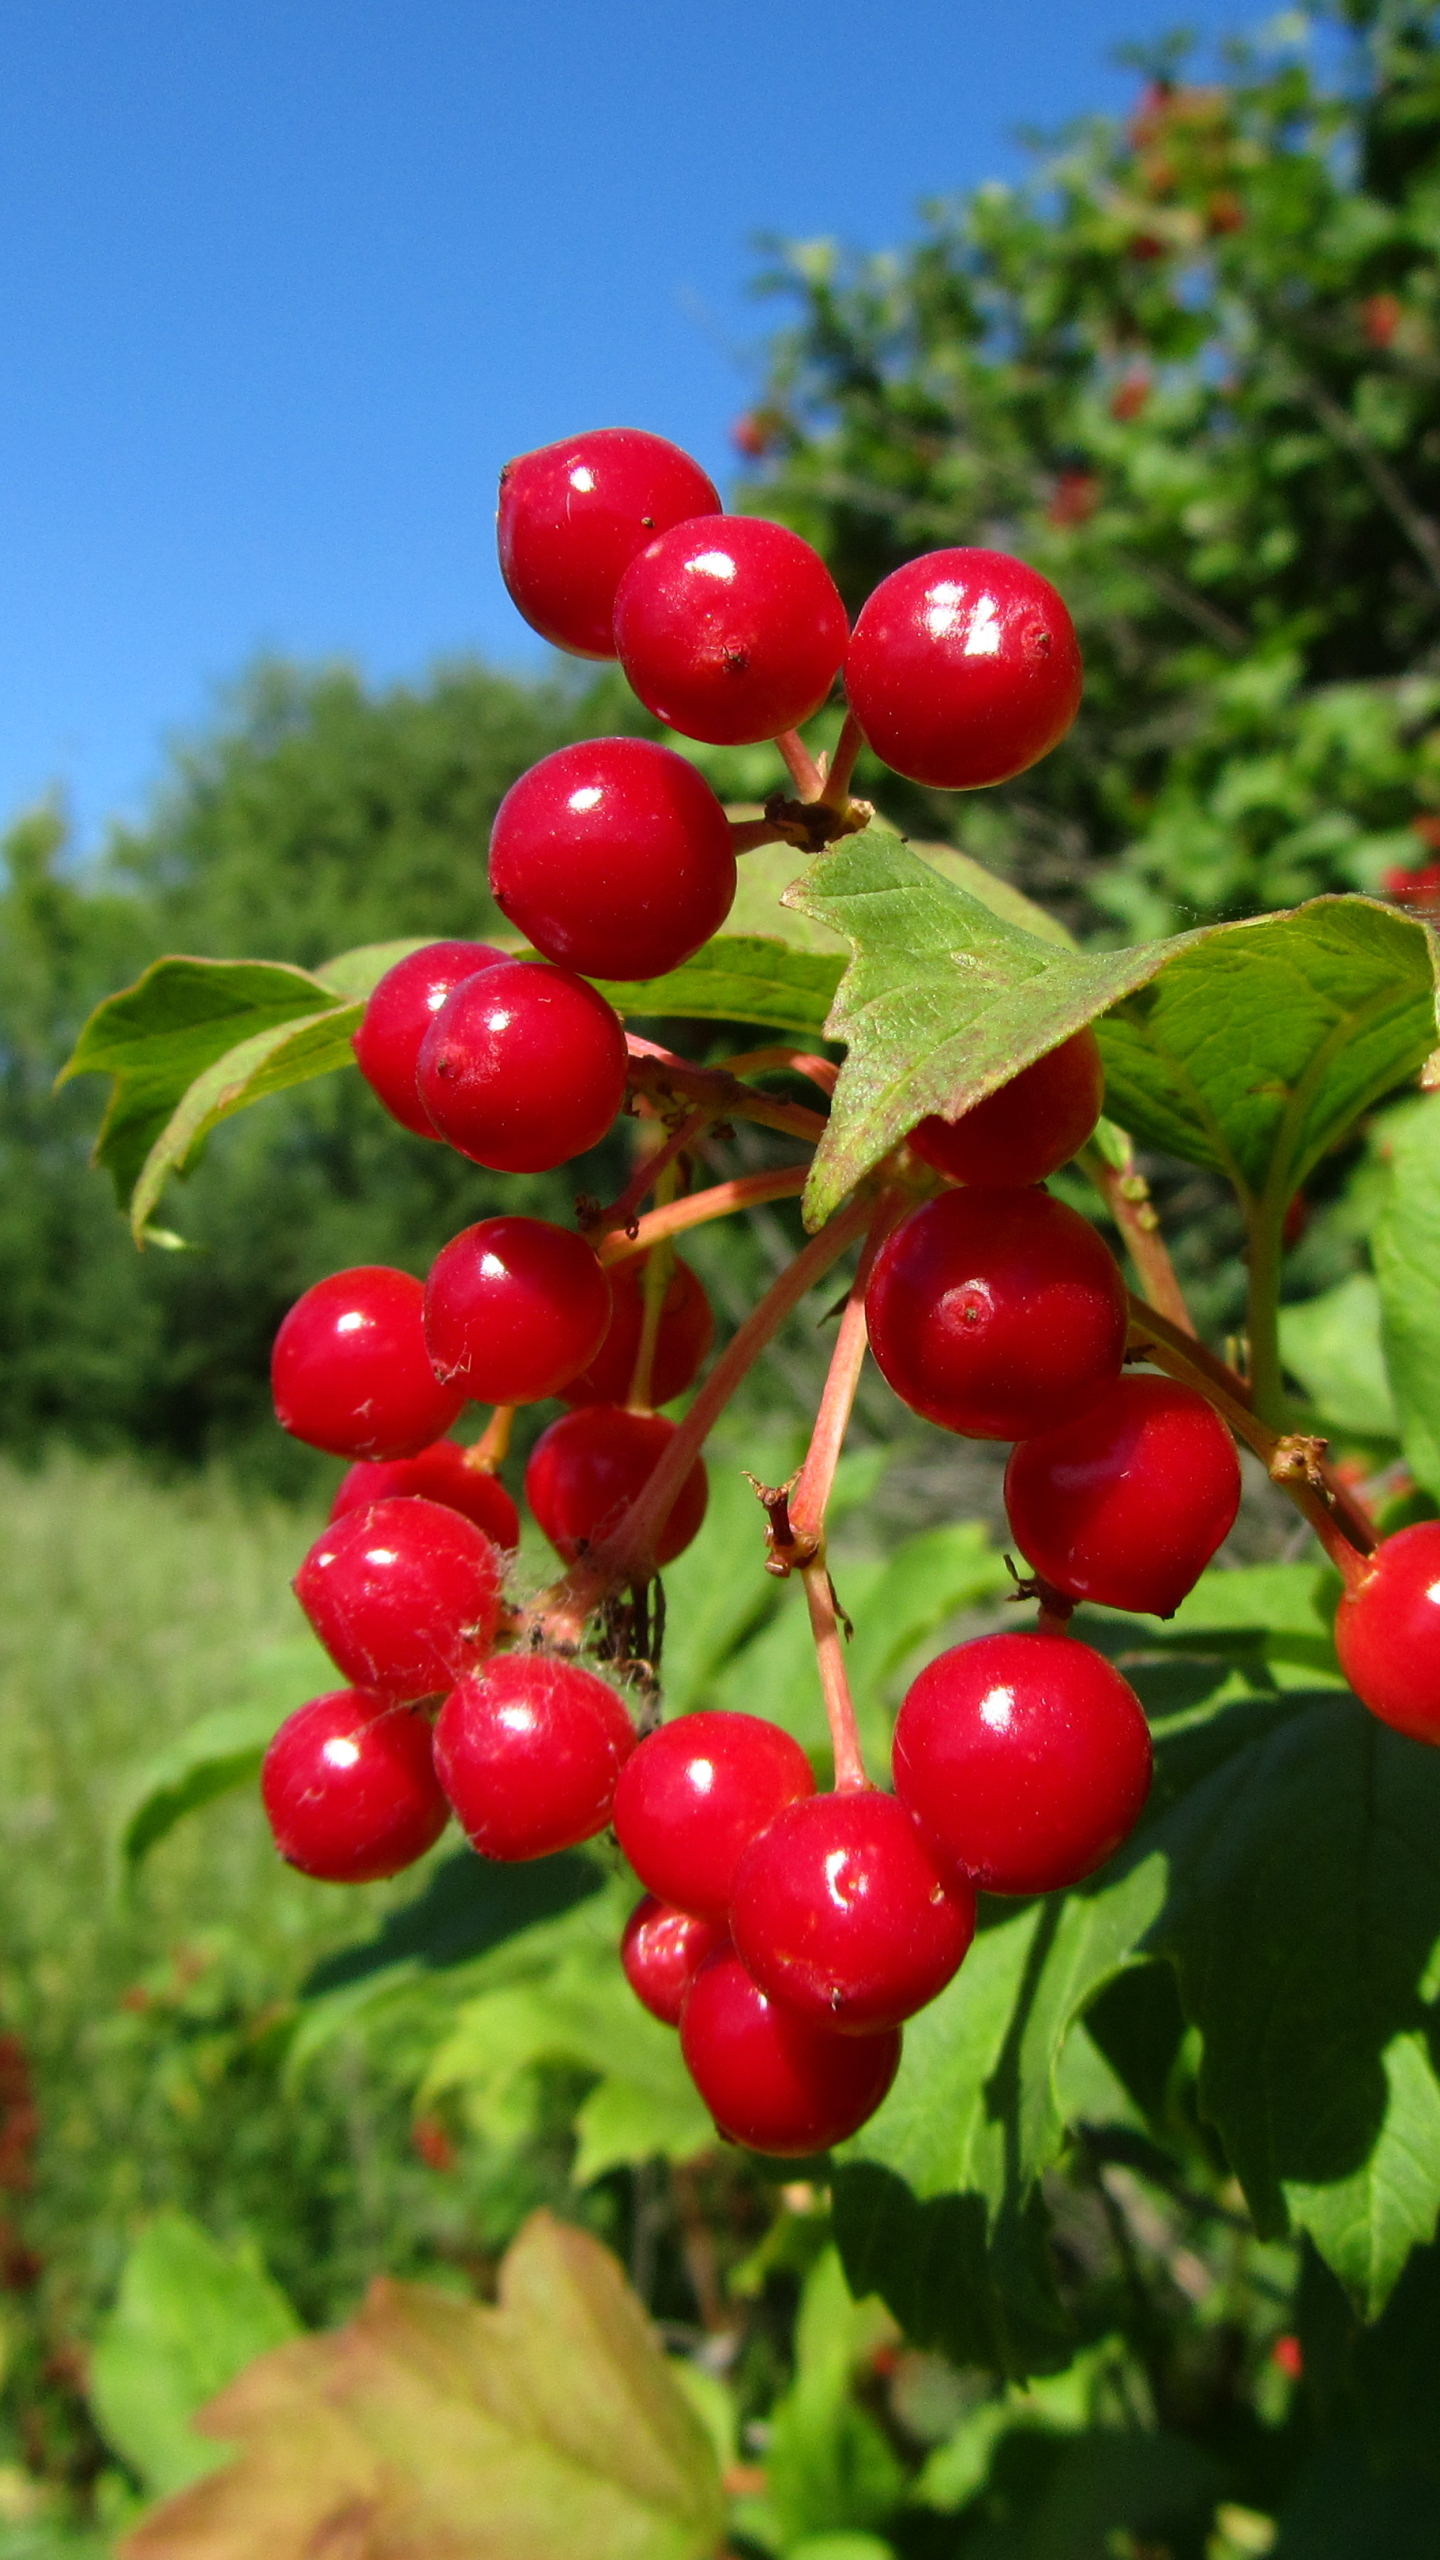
(982, 640)
(997, 1708)
(582, 478)
(353, 1320)
(588, 797)
(340, 1752)
(713, 564)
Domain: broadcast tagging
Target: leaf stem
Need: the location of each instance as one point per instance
(1262, 1311)
(698, 1208)
(834, 1678)
(1126, 1195)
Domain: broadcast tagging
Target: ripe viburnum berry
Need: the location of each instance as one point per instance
(528, 1750)
(398, 1015)
(730, 631)
(687, 1329)
(350, 1372)
(587, 1469)
(662, 1951)
(1387, 1632)
(1027, 1128)
(514, 1309)
(997, 1313)
(693, 1797)
(350, 1788)
(1126, 1505)
(404, 1596)
(771, 2078)
(574, 515)
(614, 856)
(1025, 1759)
(963, 669)
(442, 1473)
(523, 1067)
(842, 1912)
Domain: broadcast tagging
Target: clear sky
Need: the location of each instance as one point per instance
(283, 282)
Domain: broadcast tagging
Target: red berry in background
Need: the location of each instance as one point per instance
(614, 857)
(528, 1750)
(1025, 1759)
(1126, 1505)
(523, 1067)
(587, 1469)
(404, 1596)
(842, 1912)
(1387, 1632)
(730, 631)
(398, 1015)
(997, 1313)
(573, 516)
(963, 669)
(515, 1308)
(442, 1473)
(693, 1797)
(662, 1951)
(774, 2080)
(350, 1372)
(687, 1329)
(350, 1788)
(1027, 1128)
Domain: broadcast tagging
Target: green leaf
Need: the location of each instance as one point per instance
(270, 1061)
(469, 1905)
(217, 1753)
(1274, 1622)
(356, 974)
(190, 2315)
(737, 978)
(827, 2463)
(1405, 1244)
(1332, 1345)
(547, 2427)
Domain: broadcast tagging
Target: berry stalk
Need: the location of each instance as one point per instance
(666, 1078)
(834, 1678)
(697, 1208)
(1126, 1195)
(648, 1175)
(811, 1495)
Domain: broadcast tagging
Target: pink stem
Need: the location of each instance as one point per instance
(834, 1678)
(647, 1173)
(804, 772)
(746, 1191)
(836, 792)
(756, 1062)
(811, 1495)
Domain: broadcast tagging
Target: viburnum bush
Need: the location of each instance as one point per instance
(975, 1091)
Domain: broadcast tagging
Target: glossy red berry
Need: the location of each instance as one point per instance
(350, 1372)
(523, 1067)
(964, 668)
(404, 1596)
(515, 1308)
(730, 631)
(1126, 1505)
(1387, 1632)
(693, 1797)
(398, 1015)
(842, 1912)
(1027, 1128)
(572, 518)
(687, 1329)
(442, 1473)
(772, 2079)
(528, 1750)
(1025, 1759)
(662, 1951)
(350, 1788)
(997, 1313)
(587, 1469)
(613, 856)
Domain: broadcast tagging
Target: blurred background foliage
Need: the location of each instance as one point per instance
(1190, 371)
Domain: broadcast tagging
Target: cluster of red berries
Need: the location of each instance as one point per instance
(788, 1934)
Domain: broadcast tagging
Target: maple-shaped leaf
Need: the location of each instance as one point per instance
(548, 2428)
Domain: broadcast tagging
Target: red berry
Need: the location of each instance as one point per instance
(398, 1015)
(662, 1951)
(350, 1372)
(574, 515)
(587, 1469)
(350, 1788)
(1126, 1505)
(687, 1329)
(523, 1067)
(1387, 1632)
(772, 2079)
(694, 1796)
(841, 1912)
(442, 1473)
(1026, 1129)
(997, 1313)
(731, 632)
(1025, 1759)
(614, 856)
(514, 1308)
(528, 1750)
(964, 668)
(404, 1596)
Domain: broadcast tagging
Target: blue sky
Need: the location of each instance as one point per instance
(282, 283)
